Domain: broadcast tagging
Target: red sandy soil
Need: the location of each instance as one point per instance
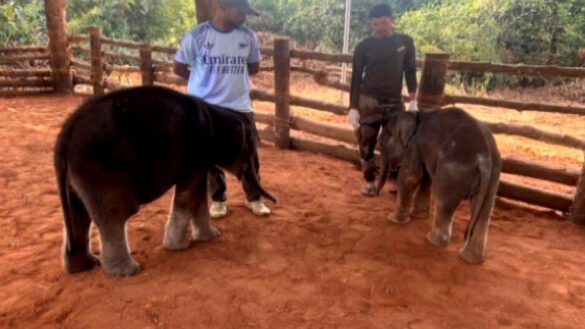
(326, 258)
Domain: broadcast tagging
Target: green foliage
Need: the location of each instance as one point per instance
(22, 22)
(163, 21)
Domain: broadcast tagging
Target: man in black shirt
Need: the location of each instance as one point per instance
(380, 62)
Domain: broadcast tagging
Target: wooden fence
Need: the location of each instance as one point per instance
(95, 56)
(24, 70)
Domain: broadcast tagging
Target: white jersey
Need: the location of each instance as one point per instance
(219, 64)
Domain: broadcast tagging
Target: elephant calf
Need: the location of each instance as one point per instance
(459, 156)
(119, 151)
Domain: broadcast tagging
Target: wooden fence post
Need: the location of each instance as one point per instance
(577, 213)
(432, 82)
(282, 92)
(59, 51)
(146, 68)
(97, 73)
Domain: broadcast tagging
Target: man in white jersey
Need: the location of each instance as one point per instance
(217, 58)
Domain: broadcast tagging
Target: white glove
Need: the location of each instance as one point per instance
(354, 118)
(412, 106)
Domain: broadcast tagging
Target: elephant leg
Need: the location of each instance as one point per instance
(440, 235)
(110, 201)
(115, 252)
(76, 253)
(176, 237)
(422, 200)
(476, 232)
(408, 182)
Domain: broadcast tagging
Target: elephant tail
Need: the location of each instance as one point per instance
(61, 169)
(489, 179)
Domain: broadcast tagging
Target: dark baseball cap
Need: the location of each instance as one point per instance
(380, 10)
(243, 5)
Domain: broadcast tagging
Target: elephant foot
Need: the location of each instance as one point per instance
(122, 268)
(399, 217)
(204, 235)
(438, 239)
(471, 255)
(75, 263)
(176, 241)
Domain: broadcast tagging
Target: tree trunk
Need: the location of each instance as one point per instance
(60, 54)
(205, 10)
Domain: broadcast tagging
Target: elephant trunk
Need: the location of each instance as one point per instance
(383, 174)
(251, 177)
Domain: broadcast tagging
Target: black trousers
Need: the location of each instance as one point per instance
(216, 181)
(379, 115)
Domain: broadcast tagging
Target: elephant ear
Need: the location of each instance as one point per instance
(407, 126)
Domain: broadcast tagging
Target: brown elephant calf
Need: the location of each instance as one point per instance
(449, 154)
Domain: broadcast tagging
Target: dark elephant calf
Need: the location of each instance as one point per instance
(125, 149)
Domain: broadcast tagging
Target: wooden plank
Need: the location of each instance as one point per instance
(25, 58)
(536, 134)
(519, 106)
(317, 56)
(282, 92)
(25, 73)
(26, 83)
(559, 175)
(534, 196)
(261, 95)
(81, 64)
(166, 50)
(77, 38)
(121, 43)
(578, 207)
(518, 69)
(25, 49)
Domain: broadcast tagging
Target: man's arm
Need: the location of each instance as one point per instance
(359, 63)
(253, 68)
(181, 70)
(410, 69)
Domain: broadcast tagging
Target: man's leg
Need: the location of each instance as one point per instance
(253, 201)
(367, 137)
(217, 189)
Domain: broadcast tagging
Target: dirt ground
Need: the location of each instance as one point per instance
(326, 258)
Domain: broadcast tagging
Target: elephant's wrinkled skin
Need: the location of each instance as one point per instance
(127, 148)
(449, 154)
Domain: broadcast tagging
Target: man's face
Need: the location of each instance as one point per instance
(234, 16)
(382, 25)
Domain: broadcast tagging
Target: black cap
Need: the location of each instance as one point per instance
(380, 10)
(243, 5)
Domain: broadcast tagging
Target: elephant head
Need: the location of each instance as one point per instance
(396, 139)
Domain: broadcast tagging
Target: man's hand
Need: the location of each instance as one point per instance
(412, 106)
(354, 118)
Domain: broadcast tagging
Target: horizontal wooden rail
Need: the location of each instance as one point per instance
(518, 69)
(511, 165)
(536, 134)
(76, 38)
(13, 73)
(25, 49)
(519, 106)
(533, 196)
(121, 43)
(26, 83)
(166, 50)
(26, 58)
